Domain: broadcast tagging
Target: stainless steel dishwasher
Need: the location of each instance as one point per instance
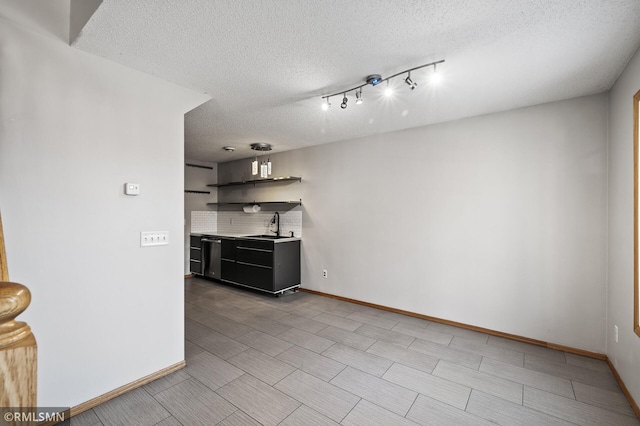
(211, 255)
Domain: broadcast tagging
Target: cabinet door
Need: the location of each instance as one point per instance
(228, 270)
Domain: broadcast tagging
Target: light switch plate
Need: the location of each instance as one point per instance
(131, 188)
(154, 238)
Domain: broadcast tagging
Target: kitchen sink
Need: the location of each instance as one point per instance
(270, 237)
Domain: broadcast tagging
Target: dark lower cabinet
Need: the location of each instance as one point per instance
(263, 265)
(195, 255)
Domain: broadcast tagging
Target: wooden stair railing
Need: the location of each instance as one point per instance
(18, 349)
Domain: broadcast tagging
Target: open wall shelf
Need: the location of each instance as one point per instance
(256, 181)
(246, 203)
(193, 191)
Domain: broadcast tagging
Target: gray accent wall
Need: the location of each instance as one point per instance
(497, 221)
(625, 354)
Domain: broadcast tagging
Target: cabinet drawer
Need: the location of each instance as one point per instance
(255, 256)
(257, 244)
(195, 253)
(254, 276)
(195, 241)
(196, 267)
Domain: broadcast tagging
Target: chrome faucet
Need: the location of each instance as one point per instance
(276, 220)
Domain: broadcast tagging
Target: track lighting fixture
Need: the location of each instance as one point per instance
(375, 79)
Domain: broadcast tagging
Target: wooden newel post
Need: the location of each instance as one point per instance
(18, 349)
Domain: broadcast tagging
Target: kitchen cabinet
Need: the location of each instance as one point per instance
(265, 264)
(195, 255)
(270, 266)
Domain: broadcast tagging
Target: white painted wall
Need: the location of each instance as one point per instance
(196, 178)
(75, 128)
(497, 221)
(625, 355)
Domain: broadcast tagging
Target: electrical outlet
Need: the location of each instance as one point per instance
(324, 273)
(615, 333)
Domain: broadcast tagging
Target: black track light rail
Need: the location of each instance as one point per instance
(344, 92)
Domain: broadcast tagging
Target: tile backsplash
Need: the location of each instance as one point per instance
(204, 222)
(238, 222)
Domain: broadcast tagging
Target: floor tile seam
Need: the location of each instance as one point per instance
(458, 335)
(349, 365)
(411, 406)
(606, 369)
(350, 410)
(467, 350)
(393, 361)
(209, 387)
(288, 415)
(530, 385)
(189, 376)
(544, 413)
(358, 396)
(479, 390)
(295, 369)
(439, 358)
(239, 409)
(632, 414)
(382, 378)
(533, 347)
(329, 359)
(431, 341)
(573, 378)
(590, 405)
(374, 325)
(156, 400)
(328, 383)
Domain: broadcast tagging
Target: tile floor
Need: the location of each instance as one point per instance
(304, 359)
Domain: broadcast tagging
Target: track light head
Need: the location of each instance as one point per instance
(388, 91)
(326, 105)
(436, 77)
(343, 105)
(359, 97)
(374, 79)
(412, 84)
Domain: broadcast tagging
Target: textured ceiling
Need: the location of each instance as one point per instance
(266, 63)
